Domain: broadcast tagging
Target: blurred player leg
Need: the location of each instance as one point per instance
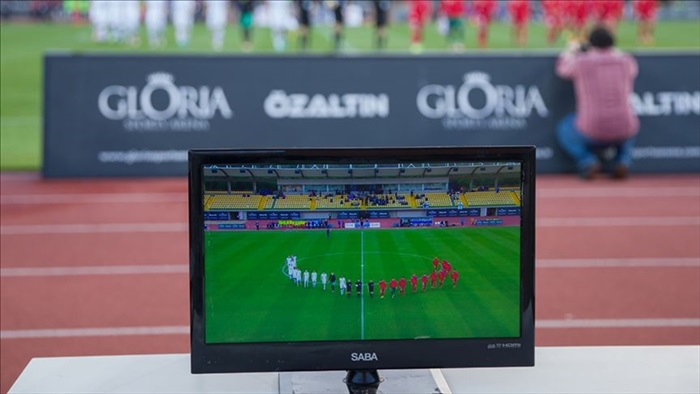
(304, 12)
(183, 19)
(99, 18)
(156, 19)
(278, 16)
(246, 21)
(114, 15)
(216, 17)
(131, 21)
(418, 12)
(381, 8)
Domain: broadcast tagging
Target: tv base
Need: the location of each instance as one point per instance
(392, 381)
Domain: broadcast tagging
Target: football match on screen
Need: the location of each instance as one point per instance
(294, 274)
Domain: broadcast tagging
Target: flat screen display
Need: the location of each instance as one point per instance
(309, 259)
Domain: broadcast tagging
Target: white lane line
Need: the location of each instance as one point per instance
(34, 229)
(618, 323)
(652, 221)
(618, 263)
(622, 192)
(185, 330)
(95, 270)
(92, 198)
(362, 280)
(94, 332)
(146, 269)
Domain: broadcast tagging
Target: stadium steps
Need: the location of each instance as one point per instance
(207, 202)
(263, 203)
(515, 198)
(463, 199)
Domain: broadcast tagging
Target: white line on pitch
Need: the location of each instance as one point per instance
(362, 281)
(30, 229)
(92, 198)
(94, 332)
(95, 270)
(618, 323)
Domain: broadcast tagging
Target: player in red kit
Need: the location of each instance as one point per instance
(402, 286)
(392, 285)
(454, 11)
(433, 278)
(382, 288)
(577, 13)
(645, 10)
(608, 13)
(454, 275)
(424, 281)
(446, 266)
(419, 12)
(441, 277)
(414, 282)
(553, 18)
(483, 12)
(436, 263)
(519, 17)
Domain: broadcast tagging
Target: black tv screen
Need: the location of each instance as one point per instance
(340, 259)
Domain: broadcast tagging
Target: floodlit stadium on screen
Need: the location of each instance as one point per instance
(323, 249)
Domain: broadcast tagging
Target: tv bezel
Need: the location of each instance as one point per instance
(336, 355)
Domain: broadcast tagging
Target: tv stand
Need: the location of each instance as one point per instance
(398, 381)
(362, 381)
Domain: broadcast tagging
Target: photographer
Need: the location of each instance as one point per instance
(603, 80)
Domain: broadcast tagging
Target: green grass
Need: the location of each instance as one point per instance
(23, 45)
(249, 298)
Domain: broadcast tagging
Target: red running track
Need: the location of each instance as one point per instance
(97, 267)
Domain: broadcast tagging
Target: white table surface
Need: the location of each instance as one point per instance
(624, 369)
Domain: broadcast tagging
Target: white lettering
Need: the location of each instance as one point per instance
(364, 357)
(279, 104)
(161, 105)
(479, 103)
(666, 103)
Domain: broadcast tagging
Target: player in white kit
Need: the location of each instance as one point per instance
(314, 276)
(216, 18)
(183, 19)
(342, 285)
(99, 18)
(156, 20)
(279, 17)
(324, 279)
(306, 278)
(297, 276)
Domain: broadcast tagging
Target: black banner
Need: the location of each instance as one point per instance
(138, 115)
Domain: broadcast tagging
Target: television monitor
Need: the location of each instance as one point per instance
(286, 243)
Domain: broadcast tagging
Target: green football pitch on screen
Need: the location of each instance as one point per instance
(249, 297)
